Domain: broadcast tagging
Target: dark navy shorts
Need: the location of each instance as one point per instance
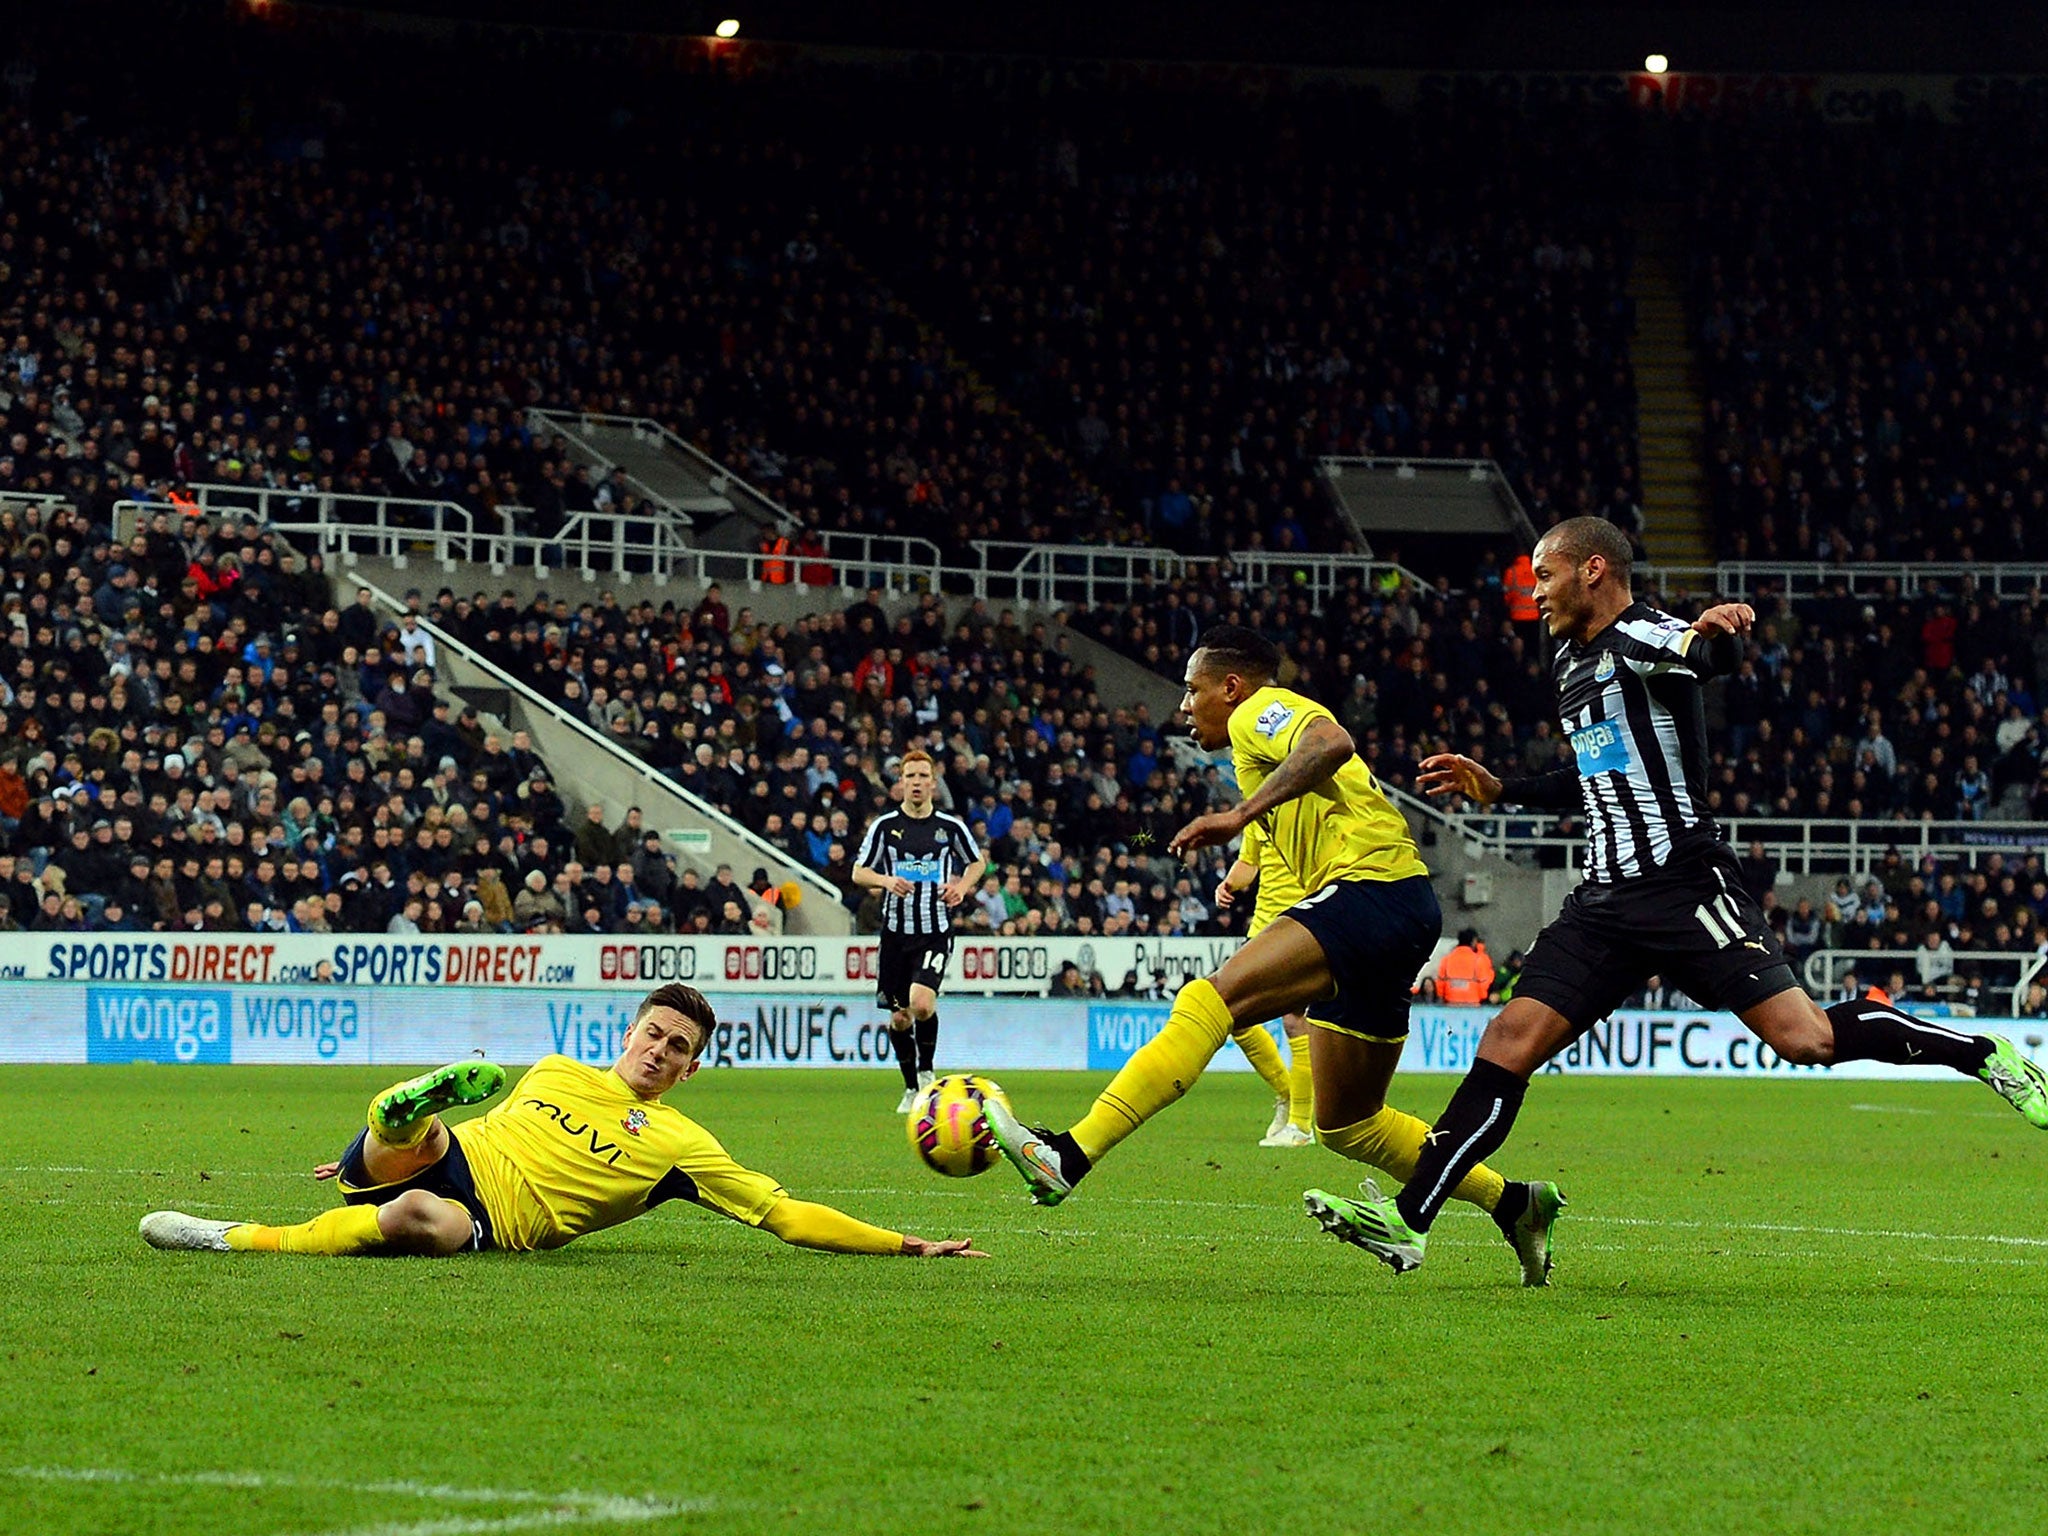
(449, 1178)
(1377, 935)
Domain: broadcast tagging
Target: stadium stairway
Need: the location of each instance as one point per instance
(1677, 517)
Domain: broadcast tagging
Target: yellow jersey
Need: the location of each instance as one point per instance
(1345, 828)
(1278, 889)
(572, 1150)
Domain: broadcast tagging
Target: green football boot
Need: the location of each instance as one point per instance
(1530, 1235)
(1372, 1224)
(2016, 1080)
(401, 1114)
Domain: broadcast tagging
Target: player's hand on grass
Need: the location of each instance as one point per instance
(1207, 832)
(1725, 619)
(947, 1248)
(325, 1171)
(1448, 773)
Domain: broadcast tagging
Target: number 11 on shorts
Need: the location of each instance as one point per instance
(1721, 920)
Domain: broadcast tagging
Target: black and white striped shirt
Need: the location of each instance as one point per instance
(928, 851)
(1629, 700)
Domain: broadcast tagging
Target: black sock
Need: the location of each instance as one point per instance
(1473, 1125)
(904, 1043)
(1514, 1200)
(927, 1042)
(1867, 1030)
(1074, 1162)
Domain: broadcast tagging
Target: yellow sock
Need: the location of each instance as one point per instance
(348, 1229)
(1263, 1052)
(1392, 1142)
(1163, 1069)
(1301, 1086)
(397, 1135)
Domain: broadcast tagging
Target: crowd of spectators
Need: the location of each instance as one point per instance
(1931, 708)
(792, 730)
(1174, 303)
(193, 736)
(197, 732)
(1869, 314)
(1199, 297)
(1923, 708)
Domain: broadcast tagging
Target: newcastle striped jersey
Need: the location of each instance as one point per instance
(1629, 700)
(927, 851)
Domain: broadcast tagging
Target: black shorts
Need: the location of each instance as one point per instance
(910, 960)
(449, 1178)
(1376, 935)
(1691, 922)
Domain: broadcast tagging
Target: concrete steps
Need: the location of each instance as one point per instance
(1677, 517)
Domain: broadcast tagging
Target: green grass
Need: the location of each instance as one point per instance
(1743, 1333)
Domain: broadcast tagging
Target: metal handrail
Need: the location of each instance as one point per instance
(31, 501)
(1802, 845)
(1824, 968)
(1874, 579)
(1087, 573)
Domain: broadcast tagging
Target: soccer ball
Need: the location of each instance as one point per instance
(947, 1128)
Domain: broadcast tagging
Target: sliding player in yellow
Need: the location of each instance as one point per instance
(1294, 1110)
(574, 1150)
(1346, 955)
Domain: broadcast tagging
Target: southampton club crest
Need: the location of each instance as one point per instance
(635, 1121)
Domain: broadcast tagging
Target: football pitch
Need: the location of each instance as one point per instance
(1778, 1306)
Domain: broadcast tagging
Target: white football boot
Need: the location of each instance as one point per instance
(175, 1230)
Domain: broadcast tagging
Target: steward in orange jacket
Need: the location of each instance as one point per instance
(1465, 975)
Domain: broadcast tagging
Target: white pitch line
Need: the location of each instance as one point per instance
(570, 1508)
(1893, 1109)
(161, 1173)
(1793, 1229)
(606, 1511)
(1572, 1219)
(1269, 1205)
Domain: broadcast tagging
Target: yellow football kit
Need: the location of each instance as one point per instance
(572, 1150)
(1277, 892)
(1278, 889)
(1344, 828)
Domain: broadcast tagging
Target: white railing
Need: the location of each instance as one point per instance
(1810, 846)
(1743, 578)
(29, 501)
(1091, 573)
(1825, 969)
(399, 530)
(721, 480)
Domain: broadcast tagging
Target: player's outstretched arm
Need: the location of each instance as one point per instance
(806, 1224)
(1450, 773)
(1322, 747)
(1236, 880)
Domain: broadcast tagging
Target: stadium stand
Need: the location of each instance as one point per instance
(1869, 327)
(1142, 316)
(1198, 297)
(200, 701)
(1175, 339)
